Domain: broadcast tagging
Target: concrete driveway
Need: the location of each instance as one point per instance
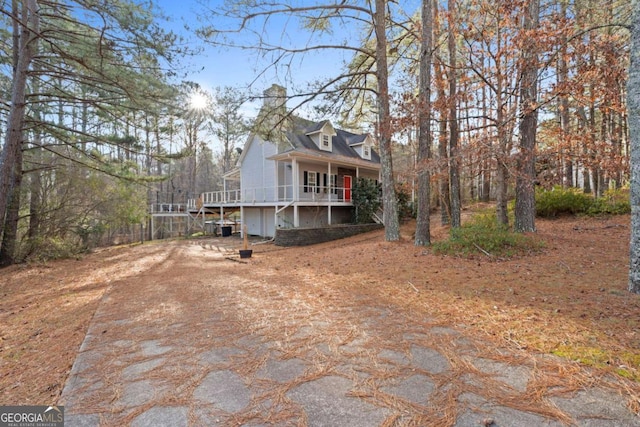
(202, 339)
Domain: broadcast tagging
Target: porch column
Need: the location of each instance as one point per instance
(224, 189)
(296, 192)
(277, 181)
(295, 180)
(329, 192)
(242, 221)
(275, 221)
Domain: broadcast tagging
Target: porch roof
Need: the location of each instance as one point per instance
(232, 174)
(306, 154)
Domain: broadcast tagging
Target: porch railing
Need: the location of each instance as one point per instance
(168, 207)
(280, 194)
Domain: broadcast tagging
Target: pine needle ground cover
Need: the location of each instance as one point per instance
(567, 301)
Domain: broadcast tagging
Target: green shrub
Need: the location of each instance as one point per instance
(483, 235)
(613, 202)
(43, 249)
(365, 194)
(405, 207)
(559, 201)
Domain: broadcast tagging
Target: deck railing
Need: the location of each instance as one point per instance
(280, 194)
(168, 207)
(221, 197)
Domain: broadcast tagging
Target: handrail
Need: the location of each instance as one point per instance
(280, 194)
(168, 207)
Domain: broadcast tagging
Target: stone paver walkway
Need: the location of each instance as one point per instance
(222, 350)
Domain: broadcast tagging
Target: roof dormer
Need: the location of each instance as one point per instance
(323, 136)
(362, 146)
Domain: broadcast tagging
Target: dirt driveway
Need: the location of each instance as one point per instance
(393, 333)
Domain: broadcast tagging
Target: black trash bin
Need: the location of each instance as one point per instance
(226, 230)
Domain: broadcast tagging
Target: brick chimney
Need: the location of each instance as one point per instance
(272, 119)
(275, 98)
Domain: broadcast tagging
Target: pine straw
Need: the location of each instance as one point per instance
(336, 306)
(45, 310)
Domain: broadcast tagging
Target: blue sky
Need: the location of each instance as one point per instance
(240, 68)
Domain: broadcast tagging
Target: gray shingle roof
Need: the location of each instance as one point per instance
(341, 142)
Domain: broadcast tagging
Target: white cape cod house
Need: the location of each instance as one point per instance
(302, 180)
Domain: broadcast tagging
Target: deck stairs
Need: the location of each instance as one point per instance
(378, 216)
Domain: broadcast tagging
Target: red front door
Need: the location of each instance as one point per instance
(347, 188)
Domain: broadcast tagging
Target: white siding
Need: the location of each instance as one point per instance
(323, 193)
(269, 222)
(253, 221)
(258, 175)
(285, 182)
(260, 221)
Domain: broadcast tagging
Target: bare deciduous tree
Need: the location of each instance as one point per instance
(423, 234)
(633, 99)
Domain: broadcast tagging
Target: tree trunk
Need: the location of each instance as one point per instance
(10, 235)
(15, 122)
(443, 149)
(502, 171)
(454, 136)
(525, 210)
(563, 78)
(502, 156)
(633, 102)
(423, 235)
(443, 152)
(390, 203)
(35, 201)
(36, 157)
(486, 151)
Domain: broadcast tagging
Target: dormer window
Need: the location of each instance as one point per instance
(322, 135)
(325, 141)
(362, 145)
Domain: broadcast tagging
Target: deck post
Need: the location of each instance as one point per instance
(295, 180)
(328, 190)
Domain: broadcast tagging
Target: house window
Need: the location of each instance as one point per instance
(333, 183)
(310, 182)
(325, 140)
(366, 152)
